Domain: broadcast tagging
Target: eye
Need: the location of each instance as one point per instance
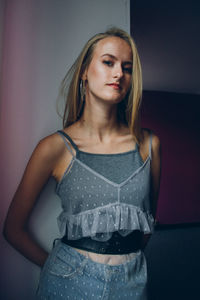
(127, 70)
(109, 63)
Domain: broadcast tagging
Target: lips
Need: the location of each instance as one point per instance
(115, 86)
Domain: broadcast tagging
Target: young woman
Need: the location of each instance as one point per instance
(107, 170)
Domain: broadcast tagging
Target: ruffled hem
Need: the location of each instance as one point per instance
(100, 223)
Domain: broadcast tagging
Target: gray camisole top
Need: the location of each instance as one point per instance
(100, 197)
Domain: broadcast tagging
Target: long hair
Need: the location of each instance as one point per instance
(128, 109)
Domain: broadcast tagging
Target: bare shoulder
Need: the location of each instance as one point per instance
(156, 146)
(155, 165)
(49, 155)
(147, 134)
(50, 146)
(53, 151)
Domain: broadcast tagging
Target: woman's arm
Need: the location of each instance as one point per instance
(37, 172)
(155, 173)
(155, 179)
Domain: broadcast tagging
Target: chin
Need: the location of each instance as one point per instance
(114, 99)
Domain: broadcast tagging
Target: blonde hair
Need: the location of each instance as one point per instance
(128, 109)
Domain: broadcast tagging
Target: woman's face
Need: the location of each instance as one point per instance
(108, 76)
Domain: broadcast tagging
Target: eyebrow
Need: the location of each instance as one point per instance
(114, 57)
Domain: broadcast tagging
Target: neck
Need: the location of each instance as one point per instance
(100, 120)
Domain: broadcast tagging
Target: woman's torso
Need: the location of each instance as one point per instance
(114, 170)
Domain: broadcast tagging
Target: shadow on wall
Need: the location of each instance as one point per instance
(175, 119)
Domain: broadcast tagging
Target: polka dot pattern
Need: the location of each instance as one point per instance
(67, 274)
(100, 194)
(93, 205)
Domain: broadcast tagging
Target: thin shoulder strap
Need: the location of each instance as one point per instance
(150, 143)
(136, 146)
(65, 136)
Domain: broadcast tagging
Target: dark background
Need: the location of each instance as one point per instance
(167, 34)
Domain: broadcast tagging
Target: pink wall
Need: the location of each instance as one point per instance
(175, 119)
(40, 41)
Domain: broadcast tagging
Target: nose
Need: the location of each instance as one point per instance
(118, 72)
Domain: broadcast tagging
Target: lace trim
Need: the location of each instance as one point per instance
(100, 223)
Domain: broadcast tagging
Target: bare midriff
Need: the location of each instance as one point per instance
(108, 259)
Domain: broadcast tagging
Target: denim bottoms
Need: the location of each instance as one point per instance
(68, 274)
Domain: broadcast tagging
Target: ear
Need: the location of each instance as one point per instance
(84, 75)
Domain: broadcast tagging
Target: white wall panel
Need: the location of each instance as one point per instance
(41, 40)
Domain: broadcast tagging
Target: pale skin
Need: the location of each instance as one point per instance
(107, 81)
